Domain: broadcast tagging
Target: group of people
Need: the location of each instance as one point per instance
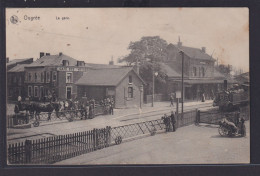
(108, 103)
(170, 122)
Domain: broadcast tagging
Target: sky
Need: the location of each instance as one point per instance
(95, 35)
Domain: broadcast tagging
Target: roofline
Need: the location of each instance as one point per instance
(135, 74)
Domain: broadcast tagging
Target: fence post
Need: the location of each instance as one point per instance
(95, 138)
(108, 136)
(28, 151)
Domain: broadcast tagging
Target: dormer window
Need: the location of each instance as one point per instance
(65, 62)
(80, 63)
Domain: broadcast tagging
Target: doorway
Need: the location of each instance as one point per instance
(68, 92)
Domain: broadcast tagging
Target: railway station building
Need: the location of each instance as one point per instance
(200, 73)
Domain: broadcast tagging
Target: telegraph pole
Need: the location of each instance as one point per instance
(153, 83)
(182, 86)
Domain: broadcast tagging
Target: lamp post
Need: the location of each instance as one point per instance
(154, 74)
(182, 86)
(141, 91)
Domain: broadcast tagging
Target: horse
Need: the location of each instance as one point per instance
(49, 108)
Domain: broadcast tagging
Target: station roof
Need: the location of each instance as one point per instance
(18, 68)
(105, 77)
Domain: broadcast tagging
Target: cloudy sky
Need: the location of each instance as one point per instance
(96, 34)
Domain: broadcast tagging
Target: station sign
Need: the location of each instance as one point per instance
(70, 69)
(178, 94)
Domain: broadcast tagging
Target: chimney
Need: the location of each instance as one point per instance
(47, 54)
(60, 53)
(41, 54)
(112, 61)
(203, 49)
(7, 60)
(179, 44)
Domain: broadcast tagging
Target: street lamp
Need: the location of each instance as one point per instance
(156, 74)
(141, 91)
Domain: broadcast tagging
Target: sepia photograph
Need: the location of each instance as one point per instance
(122, 86)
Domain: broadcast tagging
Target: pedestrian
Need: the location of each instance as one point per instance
(166, 122)
(173, 121)
(203, 97)
(172, 100)
(111, 108)
(19, 99)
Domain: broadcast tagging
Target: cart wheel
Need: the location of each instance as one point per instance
(118, 140)
(36, 123)
(222, 131)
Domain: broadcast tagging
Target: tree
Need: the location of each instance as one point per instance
(148, 53)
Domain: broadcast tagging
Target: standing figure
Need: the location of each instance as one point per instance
(166, 122)
(173, 121)
(203, 97)
(172, 100)
(112, 107)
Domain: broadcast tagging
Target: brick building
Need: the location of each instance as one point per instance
(15, 62)
(122, 83)
(200, 74)
(15, 77)
(53, 73)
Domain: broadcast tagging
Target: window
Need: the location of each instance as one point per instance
(48, 77)
(203, 71)
(54, 76)
(35, 77)
(35, 91)
(130, 92)
(130, 79)
(29, 91)
(194, 71)
(29, 77)
(69, 77)
(14, 79)
(42, 76)
(68, 92)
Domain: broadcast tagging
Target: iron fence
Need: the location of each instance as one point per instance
(57, 148)
(53, 149)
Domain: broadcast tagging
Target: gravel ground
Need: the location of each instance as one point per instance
(188, 145)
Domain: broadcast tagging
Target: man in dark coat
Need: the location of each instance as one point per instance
(173, 121)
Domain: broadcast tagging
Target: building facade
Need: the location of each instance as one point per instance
(200, 74)
(122, 84)
(53, 74)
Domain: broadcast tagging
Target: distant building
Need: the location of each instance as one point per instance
(243, 78)
(15, 82)
(12, 63)
(200, 74)
(122, 83)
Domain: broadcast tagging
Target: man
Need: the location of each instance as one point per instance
(172, 100)
(112, 107)
(173, 121)
(166, 122)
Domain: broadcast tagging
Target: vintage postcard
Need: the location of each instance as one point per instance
(90, 86)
